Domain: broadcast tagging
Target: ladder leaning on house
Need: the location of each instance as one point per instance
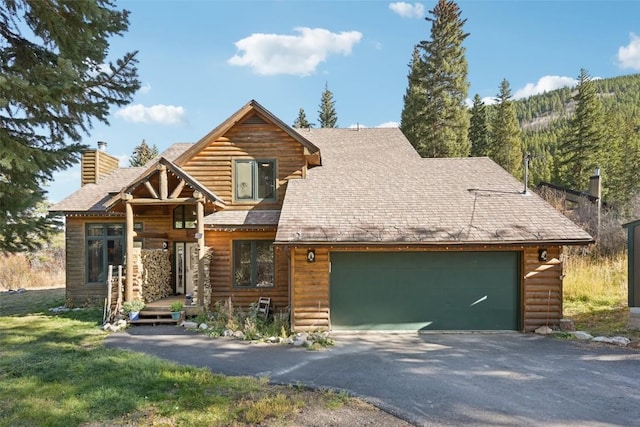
(113, 302)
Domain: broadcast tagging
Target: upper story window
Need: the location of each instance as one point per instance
(184, 216)
(255, 180)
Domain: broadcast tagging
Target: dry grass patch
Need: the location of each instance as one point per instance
(42, 269)
(595, 295)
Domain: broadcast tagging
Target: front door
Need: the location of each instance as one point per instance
(186, 265)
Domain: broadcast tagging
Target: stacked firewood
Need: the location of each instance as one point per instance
(156, 274)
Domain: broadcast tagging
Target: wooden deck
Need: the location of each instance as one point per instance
(158, 313)
(164, 303)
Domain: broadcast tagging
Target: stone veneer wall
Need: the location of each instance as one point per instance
(208, 255)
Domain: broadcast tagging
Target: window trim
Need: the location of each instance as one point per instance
(254, 264)
(254, 173)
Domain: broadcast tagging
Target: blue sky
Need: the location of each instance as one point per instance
(200, 61)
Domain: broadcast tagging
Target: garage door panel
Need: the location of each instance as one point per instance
(424, 290)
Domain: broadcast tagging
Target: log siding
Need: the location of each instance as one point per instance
(221, 271)
(214, 165)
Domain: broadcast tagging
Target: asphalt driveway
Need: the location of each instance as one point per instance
(443, 379)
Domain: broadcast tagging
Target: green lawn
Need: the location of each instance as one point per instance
(55, 371)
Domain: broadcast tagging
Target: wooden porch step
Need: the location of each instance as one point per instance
(160, 313)
(153, 317)
(163, 321)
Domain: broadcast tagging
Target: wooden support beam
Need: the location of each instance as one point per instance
(200, 235)
(177, 201)
(129, 252)
(151, 235)
(176, 191)
(164, 185)
(151, 190)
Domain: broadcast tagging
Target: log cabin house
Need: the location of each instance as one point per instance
(347, 229)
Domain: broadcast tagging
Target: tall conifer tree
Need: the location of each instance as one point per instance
(439, 78)
(412, 121)
(582, 147)
(327, 113)
(142, 154)
(53, 85)
(301, 121)
(506, 145)
(479, 129)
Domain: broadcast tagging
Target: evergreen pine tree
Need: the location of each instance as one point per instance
(582, 147)
(301, 121)
(54, 85)
(479, 129)
(439, 78)
(621, 167)
(327, 113)
(506, 145)
(142, 154)
(412, 123)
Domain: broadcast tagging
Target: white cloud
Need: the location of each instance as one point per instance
(629, 56)
(389, 125)
(487, 100)
(161, 114)
(407, 10)
(544, 84)
(271, 54)
(145, 89)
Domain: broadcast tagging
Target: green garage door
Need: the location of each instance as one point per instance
(424, 290)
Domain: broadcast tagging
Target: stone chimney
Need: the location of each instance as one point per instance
(95, 164)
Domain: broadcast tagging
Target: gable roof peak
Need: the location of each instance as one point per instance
(237, 117)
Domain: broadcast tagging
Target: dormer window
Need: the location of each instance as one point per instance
(255, 180)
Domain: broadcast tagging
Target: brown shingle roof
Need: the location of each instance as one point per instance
(374, 188)
(92, 197)
(244, 218)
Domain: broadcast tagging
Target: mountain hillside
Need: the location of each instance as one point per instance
(544, 123)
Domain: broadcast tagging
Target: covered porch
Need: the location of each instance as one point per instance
(152, 202)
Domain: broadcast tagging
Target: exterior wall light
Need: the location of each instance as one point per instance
(311, 255)
(543, 255)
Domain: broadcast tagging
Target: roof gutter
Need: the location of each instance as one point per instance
(522, 243)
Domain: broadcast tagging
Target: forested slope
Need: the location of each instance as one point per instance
(545, 125)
